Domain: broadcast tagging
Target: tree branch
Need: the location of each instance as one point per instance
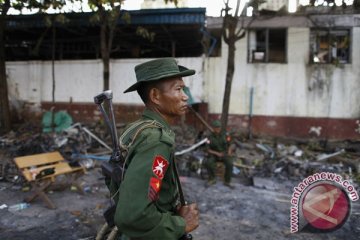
(5, 8)
(238, 37)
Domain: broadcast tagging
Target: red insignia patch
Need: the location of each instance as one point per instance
(154, 188)
(160, 164)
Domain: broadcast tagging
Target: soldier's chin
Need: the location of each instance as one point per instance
(183, 111)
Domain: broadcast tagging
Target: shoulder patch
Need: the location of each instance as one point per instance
(159, 166)
(154, 189)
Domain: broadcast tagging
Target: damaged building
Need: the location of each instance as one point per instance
(296, 81)
(295, 75)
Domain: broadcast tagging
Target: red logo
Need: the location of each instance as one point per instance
(159, 166)
(325, 207)
(154, 189)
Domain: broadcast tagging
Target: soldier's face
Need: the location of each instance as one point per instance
(217, 130)
(172, 98)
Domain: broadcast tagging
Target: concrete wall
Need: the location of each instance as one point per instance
(74, 80)
(289, 98)
(80, 81)
(295, 88)
(292, 98)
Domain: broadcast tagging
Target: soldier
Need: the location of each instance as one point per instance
(148, 198)
(218, 150)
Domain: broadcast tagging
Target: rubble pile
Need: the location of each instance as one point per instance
(281, 159)
(253, 159)
(295, 162)
(256, 212)
(79, 144)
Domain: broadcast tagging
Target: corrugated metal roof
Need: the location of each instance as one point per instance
(138, 17)
(169, 16)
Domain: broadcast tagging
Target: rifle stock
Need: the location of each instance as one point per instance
(113, 171)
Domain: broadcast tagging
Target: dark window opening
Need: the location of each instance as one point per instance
(267, 46)
(330, 46)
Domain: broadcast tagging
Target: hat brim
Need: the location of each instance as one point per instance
(184, 72)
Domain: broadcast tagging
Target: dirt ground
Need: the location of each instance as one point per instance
(247, 212)
(253, 210)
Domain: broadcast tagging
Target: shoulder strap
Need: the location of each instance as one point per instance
(129, 136)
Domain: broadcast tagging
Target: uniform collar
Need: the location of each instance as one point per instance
(155, 116)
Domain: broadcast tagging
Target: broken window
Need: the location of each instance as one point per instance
(330, 46)
(267, 45)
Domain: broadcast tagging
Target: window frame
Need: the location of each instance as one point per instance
(250, 51)
(328, 33)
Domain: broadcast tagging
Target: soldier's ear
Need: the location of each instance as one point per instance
(154, 95)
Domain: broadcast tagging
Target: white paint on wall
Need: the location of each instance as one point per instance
(80, 81)
(295, 88)
(24, 81)
(214, 83)
(32, 81)
(75, 80)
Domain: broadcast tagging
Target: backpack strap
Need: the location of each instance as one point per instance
(131, 133)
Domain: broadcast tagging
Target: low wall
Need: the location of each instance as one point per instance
(295, 127)
(268, 126)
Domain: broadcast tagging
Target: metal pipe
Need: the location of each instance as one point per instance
(96, 138)
(251, 111)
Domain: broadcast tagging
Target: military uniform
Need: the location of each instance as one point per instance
(148, 196)
(218, 142)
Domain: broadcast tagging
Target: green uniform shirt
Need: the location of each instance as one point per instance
(218, 142)
(148, 195)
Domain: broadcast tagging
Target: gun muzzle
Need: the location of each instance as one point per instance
(106, 95)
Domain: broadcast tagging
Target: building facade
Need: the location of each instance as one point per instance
(295, 76)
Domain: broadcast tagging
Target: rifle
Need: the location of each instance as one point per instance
(114, 168)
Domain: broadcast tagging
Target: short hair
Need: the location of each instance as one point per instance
(144, 89)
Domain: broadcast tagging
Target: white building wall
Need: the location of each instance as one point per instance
(24, 81)
(295, 88)
(332, 91)
(32, 81)
(354, 89)
(80, 81)
(295, 78)
(274, 5)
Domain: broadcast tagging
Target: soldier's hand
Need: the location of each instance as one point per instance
(191, 215)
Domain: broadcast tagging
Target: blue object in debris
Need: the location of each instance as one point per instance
(91, 156)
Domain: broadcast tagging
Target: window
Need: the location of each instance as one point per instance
(330, 46)
(267, 45)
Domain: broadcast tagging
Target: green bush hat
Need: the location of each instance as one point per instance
(158, 69)
(216, 124)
